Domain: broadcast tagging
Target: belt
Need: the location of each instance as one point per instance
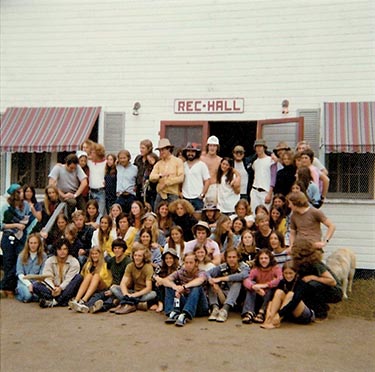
(96, 190)
(259, 189)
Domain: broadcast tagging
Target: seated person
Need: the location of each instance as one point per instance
(64, 278)
(184, 296)
(135, 289)
(226, 282)
(323, 286)
(96, 277)
(287, 302)
(84, 235)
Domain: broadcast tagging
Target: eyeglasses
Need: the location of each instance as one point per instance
(239, 152)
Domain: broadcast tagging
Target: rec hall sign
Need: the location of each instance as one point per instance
(209, 106)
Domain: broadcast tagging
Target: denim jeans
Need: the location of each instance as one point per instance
(159, 199)
(193, 303)
(117, 292)
(42, 291)
(197, 203)
(23, 293)
(99, 196)
(126, 202)
(252, 299)
(107, 300)
(231, 294)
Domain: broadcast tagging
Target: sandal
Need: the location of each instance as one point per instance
(248, 318)
(259, 318)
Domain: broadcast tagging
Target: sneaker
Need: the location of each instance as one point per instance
(181, 320)
(142, 306)
(214, 314)
(79, 307)
(172, 318)
(70, 303)
(223, 316)
(47, 303)
(98, 305)
(312, 316)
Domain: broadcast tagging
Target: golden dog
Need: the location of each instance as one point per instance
(342, 263)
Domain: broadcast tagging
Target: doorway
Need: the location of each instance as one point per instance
(232, 133)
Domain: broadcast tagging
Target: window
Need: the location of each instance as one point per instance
(351, 175)
(31, 168)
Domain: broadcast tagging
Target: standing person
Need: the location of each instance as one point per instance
(212, 160)
(228, 189)
(82, 161)
(110, 181)
(261, 192)
(286, 176)
(126, 178)
(304, 145)
(30, 261)
(70, 181)
(197, 176)
(185, 297)
(309, 187)
(306, 221)
(243, 165)
(14, 225)
(63, 278)
(149, 188)
(143, 166)
(226, 279)
(264, 277)
(168, 173)
(97, 165)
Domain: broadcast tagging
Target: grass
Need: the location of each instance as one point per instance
(360, 303)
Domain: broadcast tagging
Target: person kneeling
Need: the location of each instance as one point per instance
(185, 297)
(135, 289)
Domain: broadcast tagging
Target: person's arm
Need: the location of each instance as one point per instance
(325, 181)
(125, 281)
(196, 282)
(143, 291)
(155, 173)
(298, 292)
(179, 177)
(73, 270)
(330, 231)
(325, 278)
(292, 237)
(206, 185)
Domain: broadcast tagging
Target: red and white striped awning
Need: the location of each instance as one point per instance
(349, 127)
(49, 129)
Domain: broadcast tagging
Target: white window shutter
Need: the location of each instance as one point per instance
(114, 126)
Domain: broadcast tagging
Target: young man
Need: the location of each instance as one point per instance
(202, 231)
(63, 278)
(135, 288)
(184, 295)
(243, 166)
(143, 166)
(103, 301)
(197, 177)
(261, 192)
(263, 231)
(306, 221)
(226, 282)
(84, 235)
(70, 181)
(168, 172)
(126, 180)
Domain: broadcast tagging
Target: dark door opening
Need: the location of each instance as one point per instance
(232, 133)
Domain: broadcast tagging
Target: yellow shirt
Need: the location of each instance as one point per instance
(104, 274)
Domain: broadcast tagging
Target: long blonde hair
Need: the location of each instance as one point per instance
(89, 263)
(25, 253)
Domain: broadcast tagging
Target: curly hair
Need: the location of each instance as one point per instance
(305, 254)
(269, 254)
(185, 204)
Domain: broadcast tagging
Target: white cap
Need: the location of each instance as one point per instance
(213, 140)
(80, 153)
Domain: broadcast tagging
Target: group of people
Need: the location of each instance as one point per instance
(188, 235)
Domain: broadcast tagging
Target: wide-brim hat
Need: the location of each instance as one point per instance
(203, 224)
(260, 142)
(13, 187)
(281, 146)
(191, 146)
(163, 143)
(210, 207)
(171, 251)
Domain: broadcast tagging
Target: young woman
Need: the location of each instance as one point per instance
(204, 261)
(57, 232)
(34, 205)
(96, 277)
(210, 214)
(182, 215)
(246, 248)
(324, 287)
(149, 188)
(223, 235)
(14, 225)
(287, 175)
(238, 226)
(92, 214)
(242, 209)
(150, 222)
(146, 239)
(287, 302)
(30, 261)
(51, 201)
(176, 241)
(71, 235)
(136, 214)
(276, 244)
(277, 220)
(263, 278)
(110, 180)
(312, 190)
(164, 218)
(114, 212)
(170, 264)
(104, 236)
(82, 161)
(87, 146)
(228, 191)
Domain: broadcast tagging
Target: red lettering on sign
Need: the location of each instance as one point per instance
(189, 106)
(197, 106)
(210, 105)
(226, 106)
(219, 105)
(235, 108)
(181, 106)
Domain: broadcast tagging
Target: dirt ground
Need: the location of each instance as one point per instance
(34, 339)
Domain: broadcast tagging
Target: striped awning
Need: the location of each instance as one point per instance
(349, 127)
(49, 129)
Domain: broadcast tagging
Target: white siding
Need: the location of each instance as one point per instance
(355, 229)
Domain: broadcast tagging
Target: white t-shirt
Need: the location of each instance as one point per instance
(194, 179)
(244, 176)
(262, 173)
(97, 173)
(226, 197)
(67, 181)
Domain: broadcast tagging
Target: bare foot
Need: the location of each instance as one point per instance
(267, 326)
(154, 307)
(160, 307)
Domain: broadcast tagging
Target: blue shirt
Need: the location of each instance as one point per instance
(126, 178)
